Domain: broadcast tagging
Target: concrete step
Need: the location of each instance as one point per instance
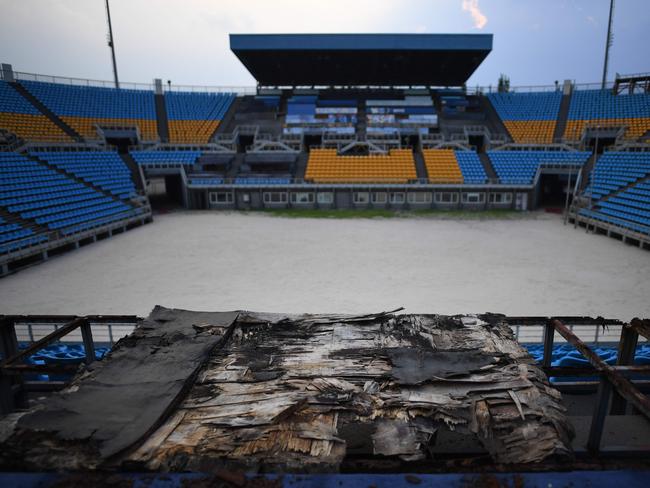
(562, 116)
(496, 125)
(487, 166)
(161, 118)
(301, 165)
(136, 174)
(420, 167)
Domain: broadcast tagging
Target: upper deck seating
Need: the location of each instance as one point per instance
(604, 108)
(529, 117)
(194, 116)
(20, 117)
(84, 107)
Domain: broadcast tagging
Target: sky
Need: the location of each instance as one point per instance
(535, 41)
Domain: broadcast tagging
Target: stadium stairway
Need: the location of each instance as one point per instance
(420, 167)
(134, 169)
(74, 177)
(46, 111)
(161, 117)
(236, 165)
(562, 117)
(586, 172)
(227, 120)
(487, 166)
(495, 124)
(301, 165)
(12, 218)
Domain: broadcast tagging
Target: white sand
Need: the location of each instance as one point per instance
(224, 261)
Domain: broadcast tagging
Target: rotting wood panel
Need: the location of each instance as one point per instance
(302, 392)
(294, 393)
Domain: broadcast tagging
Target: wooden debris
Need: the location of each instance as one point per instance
(303, 392)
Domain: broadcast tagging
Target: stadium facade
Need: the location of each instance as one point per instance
(336, 121)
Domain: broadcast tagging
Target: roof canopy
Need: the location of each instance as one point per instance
(361, 59)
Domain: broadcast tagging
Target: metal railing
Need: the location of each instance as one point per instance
(252, 90)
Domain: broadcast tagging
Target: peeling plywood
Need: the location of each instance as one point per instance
(304, 392)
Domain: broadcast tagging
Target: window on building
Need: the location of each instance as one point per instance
(473, 197)
(302, 197)
(419, 197)
(325, 197)
(221, 197)
(275, 197)
(379, 197)
(361, 197)
(446, 197)
(500, 198)
(397, 197)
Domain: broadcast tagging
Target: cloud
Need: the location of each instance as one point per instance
(591, 20)
(478, 17)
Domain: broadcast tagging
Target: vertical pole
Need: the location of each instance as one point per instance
(599, 415)
(549, 333)
(8, 348)
(608, 42)
(568, 190)
(626, 351)
(111, 44)
(89, 345)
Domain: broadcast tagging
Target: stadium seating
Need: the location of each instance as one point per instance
(19, 116)
(471, 167)
(14, 236)
(37, 193)
(442, 166)
(602, 107)
(529, 117)
(84, 107)
(193, 117)
(105, 170)
(615, 170)
(520, 167)
(325, 166)
(165, 159)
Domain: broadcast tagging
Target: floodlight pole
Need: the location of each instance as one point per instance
(608, 42)
(111, 44)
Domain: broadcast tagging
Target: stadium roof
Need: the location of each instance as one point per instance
(361, 59)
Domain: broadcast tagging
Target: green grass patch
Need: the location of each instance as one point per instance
(374, 213)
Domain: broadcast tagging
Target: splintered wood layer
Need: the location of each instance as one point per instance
(305, 392)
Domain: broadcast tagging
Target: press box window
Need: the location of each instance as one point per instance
(325, 197)
(500, 197)
(419, 197)
(275, 197)
(361, 197)
(221, 197)
(302, 197)
(473, 197)
(446, 197)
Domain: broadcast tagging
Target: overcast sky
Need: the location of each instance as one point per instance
(535, 41)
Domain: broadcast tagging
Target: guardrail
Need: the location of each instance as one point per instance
(252, 90)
